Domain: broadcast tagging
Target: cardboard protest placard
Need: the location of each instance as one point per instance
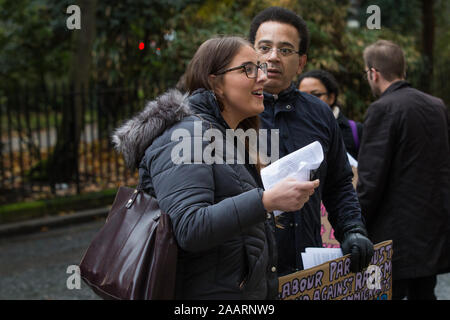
(326, 231)
(334, 281)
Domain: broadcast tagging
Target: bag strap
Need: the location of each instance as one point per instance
(354, 133)
(138, 189)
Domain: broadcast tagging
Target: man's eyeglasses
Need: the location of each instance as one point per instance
(368, 70)
(285, 52)
(251, 69)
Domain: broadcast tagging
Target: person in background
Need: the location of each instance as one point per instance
(323, 85)
(281, 38)
(404, 173)
(220, 213)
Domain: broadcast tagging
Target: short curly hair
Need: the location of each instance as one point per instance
(282, 15)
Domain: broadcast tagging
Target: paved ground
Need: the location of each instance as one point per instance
(35, 266)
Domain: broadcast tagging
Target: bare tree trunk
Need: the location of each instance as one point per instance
(427, 43)
(63, 165)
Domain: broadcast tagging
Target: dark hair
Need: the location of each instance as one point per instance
(327, 79)
(282, 15)
(213, 56)
(387, 57)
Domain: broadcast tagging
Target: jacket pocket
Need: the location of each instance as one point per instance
(230, 271)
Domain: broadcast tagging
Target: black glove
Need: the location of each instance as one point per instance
(360, 249)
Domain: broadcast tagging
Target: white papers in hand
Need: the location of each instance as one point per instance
(352, 161)
(297, 164)
(315, 256)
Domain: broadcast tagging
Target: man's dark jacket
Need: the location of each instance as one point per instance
(226, 238)
(302, 119)
(404, 177)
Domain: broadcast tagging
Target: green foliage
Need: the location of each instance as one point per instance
(442, 51)
(402, 16)
(32, 41)
(336, 47)
(121, 26)
(197, 24)
(403, 19)
(21, 211)
(333, 45)
(36, 47)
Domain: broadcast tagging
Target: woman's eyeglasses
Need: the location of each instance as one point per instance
(251, 69)
(319, 94)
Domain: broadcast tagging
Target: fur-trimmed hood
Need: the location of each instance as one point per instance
(137, 134)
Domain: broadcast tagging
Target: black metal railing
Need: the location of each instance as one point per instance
(57, 140)
(35, 164)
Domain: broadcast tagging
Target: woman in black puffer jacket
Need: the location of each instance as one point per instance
(219, 210)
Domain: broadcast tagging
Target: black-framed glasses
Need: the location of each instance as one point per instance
(285, 52)
(250, 68)
(368, 70)
(319, 94)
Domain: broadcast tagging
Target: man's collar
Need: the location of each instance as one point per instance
(283, 94)
(395, 86)
(336, 111)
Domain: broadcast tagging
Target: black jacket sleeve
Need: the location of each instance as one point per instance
(339, 196)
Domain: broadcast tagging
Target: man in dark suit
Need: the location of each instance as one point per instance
(280, 37)
(404, 173)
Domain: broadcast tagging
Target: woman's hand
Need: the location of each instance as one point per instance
(288, 195)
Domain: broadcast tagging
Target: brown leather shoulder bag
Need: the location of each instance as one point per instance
(134, 255)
